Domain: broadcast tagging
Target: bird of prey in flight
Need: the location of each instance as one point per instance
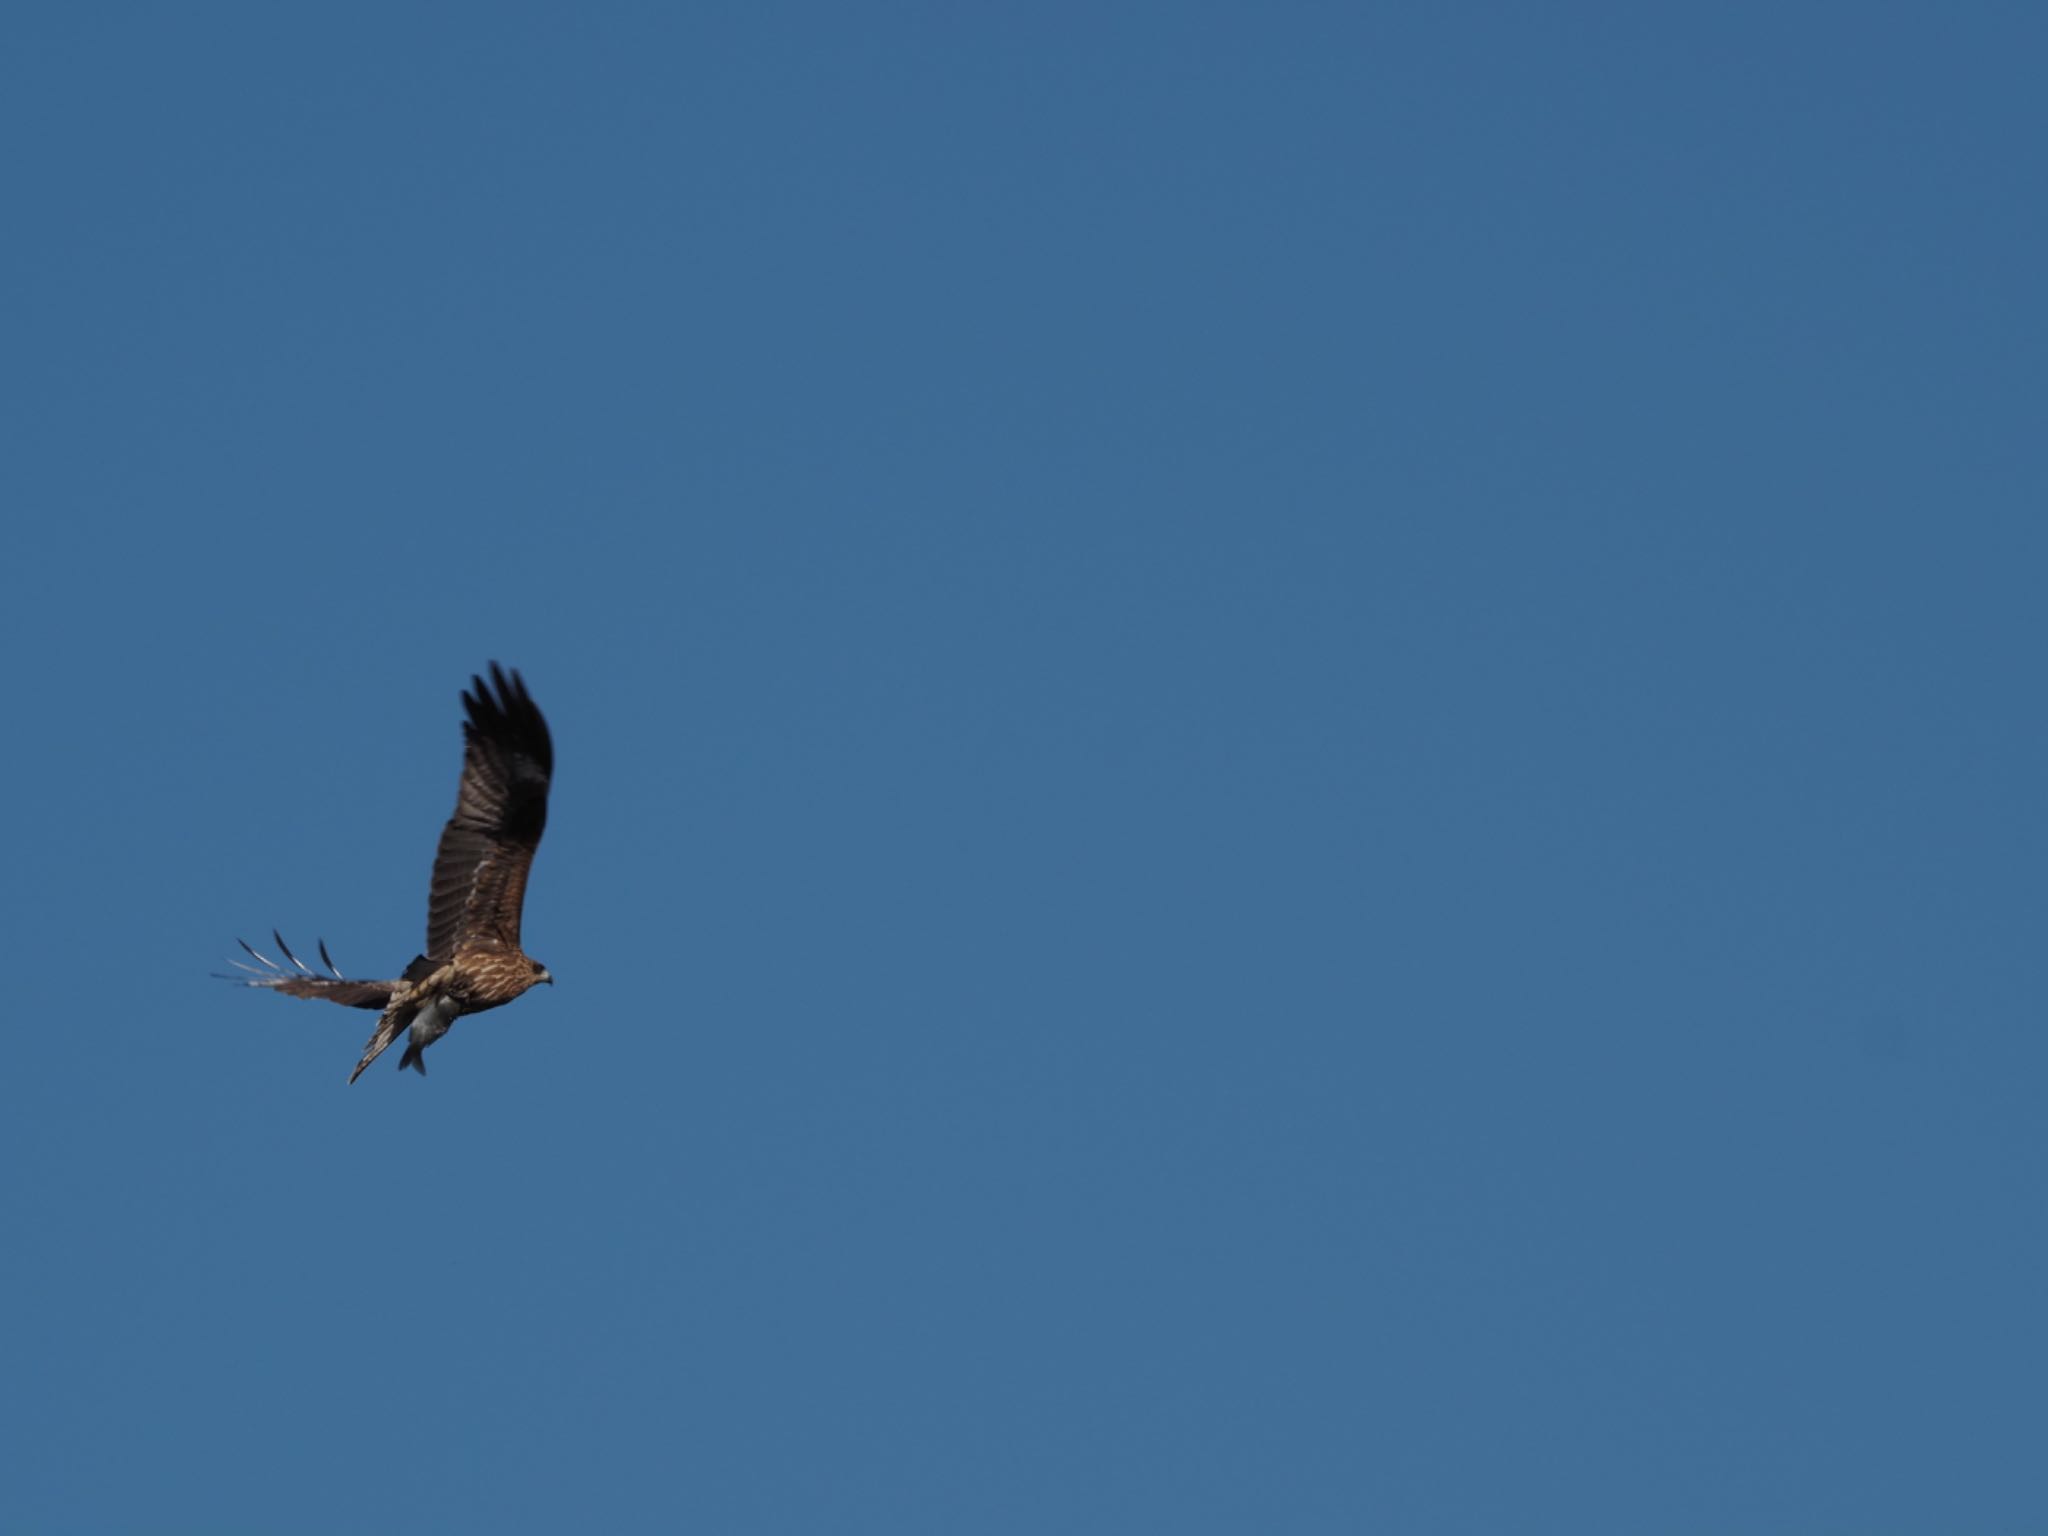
(473, 960)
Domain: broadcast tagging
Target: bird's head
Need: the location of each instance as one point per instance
(540, 972)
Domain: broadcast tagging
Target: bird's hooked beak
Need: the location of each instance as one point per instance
(546, 976)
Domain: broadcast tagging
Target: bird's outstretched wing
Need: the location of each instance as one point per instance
(300, 980)
(501, 807)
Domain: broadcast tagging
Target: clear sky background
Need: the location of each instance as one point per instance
(1301, 766)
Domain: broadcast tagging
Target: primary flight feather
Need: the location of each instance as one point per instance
(472, 960)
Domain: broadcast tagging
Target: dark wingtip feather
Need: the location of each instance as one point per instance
(502, 709)
(297, 964)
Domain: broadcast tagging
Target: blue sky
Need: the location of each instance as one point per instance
(1300, 766)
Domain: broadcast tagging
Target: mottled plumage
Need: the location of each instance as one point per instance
(473, 960)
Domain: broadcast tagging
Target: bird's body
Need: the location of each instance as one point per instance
(472, 961)
(429, 1004)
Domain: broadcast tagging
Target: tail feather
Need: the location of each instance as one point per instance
(428, 1018)
(387, 1030)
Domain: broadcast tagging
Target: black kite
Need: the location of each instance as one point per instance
(473, 960)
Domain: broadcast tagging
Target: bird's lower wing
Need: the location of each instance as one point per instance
(299, 980)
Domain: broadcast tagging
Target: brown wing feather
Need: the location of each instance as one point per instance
(350, 994)
(301, 980)
(501, 808)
